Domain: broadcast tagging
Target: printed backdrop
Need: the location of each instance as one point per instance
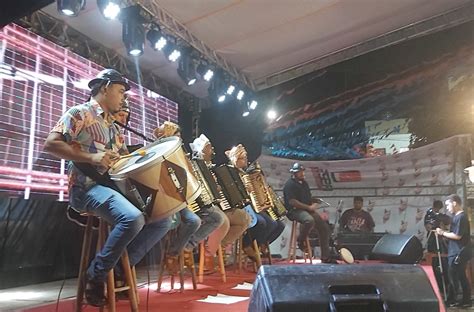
(397, 189)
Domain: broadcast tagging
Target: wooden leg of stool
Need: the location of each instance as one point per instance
(193, 271)
(292, 246)
(135, 286)
(81, 277)
(132, 292)
(103, 229)
(269, 253)
(309, 251)
(239, 256)
(201, 263)
(181, 270)
(220, 256)
(257, 253)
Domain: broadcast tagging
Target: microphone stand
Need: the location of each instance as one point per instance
(134, 131)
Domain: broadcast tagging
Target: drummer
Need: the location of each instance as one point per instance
(87, 137)
(193, 228)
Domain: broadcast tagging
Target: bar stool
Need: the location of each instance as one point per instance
(307, 254)
(189, 264)
(220, 258)
(238, 254)
(130, 274)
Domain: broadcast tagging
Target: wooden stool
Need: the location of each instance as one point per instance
(308, 254)
(238, 254)
(220, 258)
(164, 266)
(130, 275)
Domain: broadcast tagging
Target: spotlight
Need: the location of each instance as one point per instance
(171, 52)
(253, 105)
(230, 90)
(221, 98)
(156, 39)
(205, 72)
(271, 114)
(245, 113)
(187, 67)
(70, 7)
(240, 95)
(133, 31)
(110, 9)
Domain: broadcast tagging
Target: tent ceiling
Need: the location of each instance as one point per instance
(272, 41)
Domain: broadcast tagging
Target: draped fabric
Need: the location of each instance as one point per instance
(37, 242)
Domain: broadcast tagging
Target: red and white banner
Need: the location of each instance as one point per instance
(397, 189)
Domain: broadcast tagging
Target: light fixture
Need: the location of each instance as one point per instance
(230, 90)
(240, 95)
(221, 98)
(205, 72)
(110, 9)
(187, 67)
(253, 104)
(171, 52)
(133, 31)
(70, 7)
(156, 39)
(245, 113)
(271, 114)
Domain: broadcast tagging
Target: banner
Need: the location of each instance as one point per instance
(397, 189)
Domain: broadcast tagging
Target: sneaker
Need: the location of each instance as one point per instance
(329, 260)
(463, 304)
(95, 293)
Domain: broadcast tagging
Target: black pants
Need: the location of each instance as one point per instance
(457, 277)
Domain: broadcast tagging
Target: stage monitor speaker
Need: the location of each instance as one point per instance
(398, 248)
(342, 288)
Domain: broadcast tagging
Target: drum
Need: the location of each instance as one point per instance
(164, 172)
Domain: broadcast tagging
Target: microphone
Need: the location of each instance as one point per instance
(324, 202)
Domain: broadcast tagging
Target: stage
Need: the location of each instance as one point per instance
(211, 295)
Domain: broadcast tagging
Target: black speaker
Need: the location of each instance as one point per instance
(342, 288)
(398, 248)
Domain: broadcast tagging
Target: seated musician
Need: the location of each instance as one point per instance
(298, 202)
(357, 220)
(87, 137)
(266, 230)
(434, 218)
(123, 117)
(236, 221)
(193, 228)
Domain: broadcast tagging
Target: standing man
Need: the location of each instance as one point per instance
(357, 220)
(459, 252)
(87, 136)
(300, 208)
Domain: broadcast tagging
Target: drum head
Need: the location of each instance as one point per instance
(155, 153)
(346, 255)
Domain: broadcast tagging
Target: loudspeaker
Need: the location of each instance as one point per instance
(357, 287)
(398, 248)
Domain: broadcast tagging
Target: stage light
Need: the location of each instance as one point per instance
(204, 72)
(253, 105)
(133, 31)
(110, 9)
(156, 39)
(271, 114)
(171, 52)
(70, 7)
(240, 95)
(221, 98)
(245, 113)
(187, 67)
(230, 90)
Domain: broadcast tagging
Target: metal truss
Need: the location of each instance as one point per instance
(176, 28)
(442, 21)
(62, 34)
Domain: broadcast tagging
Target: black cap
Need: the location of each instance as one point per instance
(296, 168)
(109, 75)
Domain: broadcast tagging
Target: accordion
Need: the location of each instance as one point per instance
(232, 186)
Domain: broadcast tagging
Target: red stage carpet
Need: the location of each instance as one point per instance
(173, 300)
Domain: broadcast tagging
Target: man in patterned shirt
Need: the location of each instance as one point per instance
(87, 136)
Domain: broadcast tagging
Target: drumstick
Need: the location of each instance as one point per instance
(137, 153)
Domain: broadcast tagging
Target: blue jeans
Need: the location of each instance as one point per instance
(212, 218)
(265, 231)
(129, 229)
(189, 224)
